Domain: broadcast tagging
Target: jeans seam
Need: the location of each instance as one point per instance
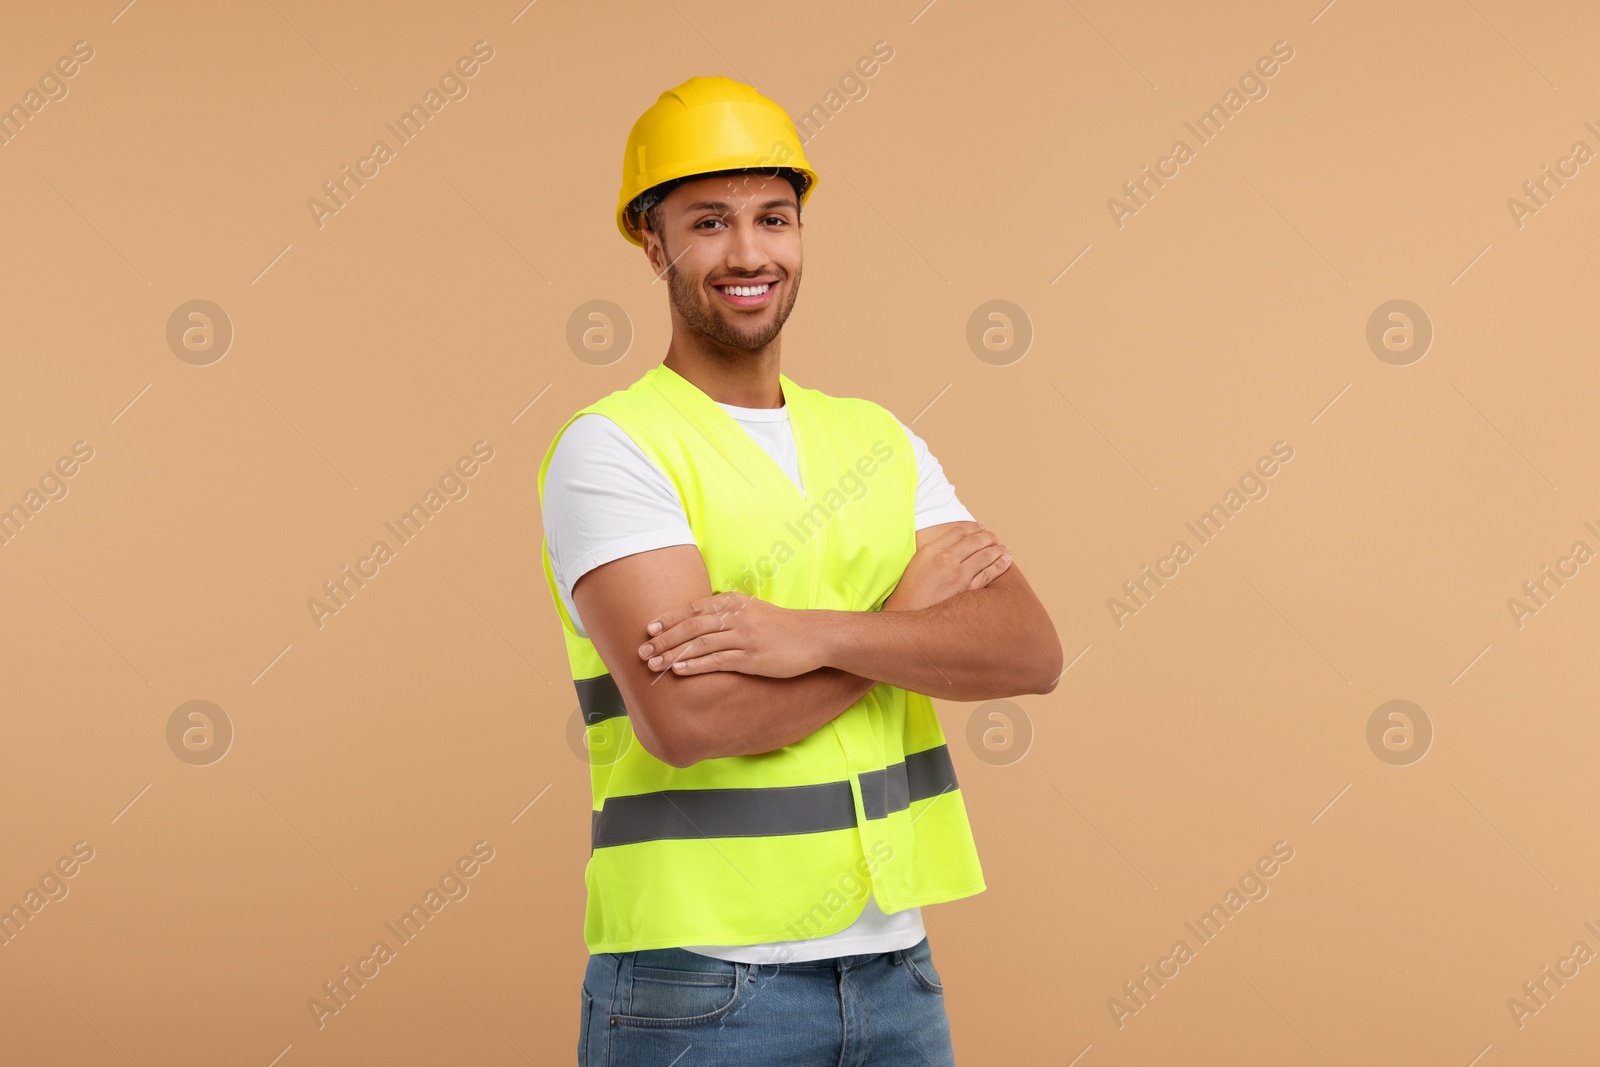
(872, 1031)
(844, 1015)
(586, 1022)
(930, 984)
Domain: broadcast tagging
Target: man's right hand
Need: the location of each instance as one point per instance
(950, 558)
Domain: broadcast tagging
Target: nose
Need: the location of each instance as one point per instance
(745, 253)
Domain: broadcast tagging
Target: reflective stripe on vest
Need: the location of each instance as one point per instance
(774, 811)
(599, 698)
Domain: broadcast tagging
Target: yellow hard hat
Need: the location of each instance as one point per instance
(705, 125)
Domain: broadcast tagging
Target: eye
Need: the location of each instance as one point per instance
(716, 218)
(776, 218)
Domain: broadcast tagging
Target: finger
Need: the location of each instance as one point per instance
(716, 661)
(685, 631)
(975, 542)
(992, 571)
(947, 538)
(666, 620)
(980, 561)
(701, 646)
(955, 533)
(716, 615)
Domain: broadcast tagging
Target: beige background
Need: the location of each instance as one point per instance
(431, 312)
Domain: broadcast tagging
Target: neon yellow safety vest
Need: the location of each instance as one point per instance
(783, 845)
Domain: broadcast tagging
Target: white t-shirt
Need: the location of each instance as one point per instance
(605, 499)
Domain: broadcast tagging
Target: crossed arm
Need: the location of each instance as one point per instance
(732, 675)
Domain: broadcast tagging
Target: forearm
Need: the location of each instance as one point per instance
(725, 713)
(980, 644)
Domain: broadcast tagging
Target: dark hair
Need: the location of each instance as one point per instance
(647, 205)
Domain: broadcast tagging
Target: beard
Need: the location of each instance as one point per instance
(692, 302)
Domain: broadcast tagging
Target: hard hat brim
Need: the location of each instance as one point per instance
(692, 172)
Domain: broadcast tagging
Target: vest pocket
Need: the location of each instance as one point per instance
(668, 996)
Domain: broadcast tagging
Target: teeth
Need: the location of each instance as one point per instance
(745, 290)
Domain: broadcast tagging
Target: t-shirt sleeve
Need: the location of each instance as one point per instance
(604, 499)
(936, 497)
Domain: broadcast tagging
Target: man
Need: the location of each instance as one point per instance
(760, 586)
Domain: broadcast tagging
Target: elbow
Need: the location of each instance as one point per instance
(680, 736)
(672, 747)
(678, 757)
(653, 730)
(1052, 665)
(674, 754)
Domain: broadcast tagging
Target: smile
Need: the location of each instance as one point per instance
(746, 296)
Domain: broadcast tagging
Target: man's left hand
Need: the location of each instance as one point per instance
(731, 631)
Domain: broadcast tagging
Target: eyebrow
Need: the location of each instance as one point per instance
(721, 205)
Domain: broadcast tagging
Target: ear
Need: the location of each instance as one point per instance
(654, 250)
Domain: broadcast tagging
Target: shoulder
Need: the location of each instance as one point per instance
(597, 446)
(854, 408)
(585, 436)
(586, 428)
(603, 420)
(594, 466)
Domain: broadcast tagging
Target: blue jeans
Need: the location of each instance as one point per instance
(669, 1006)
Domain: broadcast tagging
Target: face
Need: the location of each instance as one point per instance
(738, 231)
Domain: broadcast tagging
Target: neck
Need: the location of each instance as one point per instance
(741, 377)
